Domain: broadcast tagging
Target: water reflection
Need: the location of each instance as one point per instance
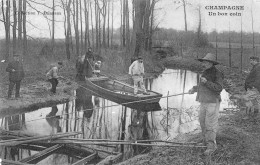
(53, 120)
(98, 118)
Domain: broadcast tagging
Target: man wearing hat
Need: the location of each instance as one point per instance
(208, 94)
(136, 70)
(16, 74)
(252, 85)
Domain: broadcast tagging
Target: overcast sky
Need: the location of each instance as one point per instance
(167, 16)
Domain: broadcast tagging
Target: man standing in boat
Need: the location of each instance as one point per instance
(136, 70)
(208, 94)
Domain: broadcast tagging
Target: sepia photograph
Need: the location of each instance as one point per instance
(130, 82)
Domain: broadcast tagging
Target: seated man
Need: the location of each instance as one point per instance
(97, 67)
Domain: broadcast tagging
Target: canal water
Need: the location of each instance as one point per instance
(99, 118)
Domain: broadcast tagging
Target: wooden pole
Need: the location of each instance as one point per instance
(124, 143)
(14, 142)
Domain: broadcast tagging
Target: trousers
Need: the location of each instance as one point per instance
(208, 118)
(138, 79)
(252, 97)
(54, 82)
(17, 85)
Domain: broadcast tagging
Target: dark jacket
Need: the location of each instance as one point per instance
(253, 79)
(84, 68)
(210, 91)
(18, 74)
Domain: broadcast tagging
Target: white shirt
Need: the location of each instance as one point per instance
(52, 73)
(136, 68)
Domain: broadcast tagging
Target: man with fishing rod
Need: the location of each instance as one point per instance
(208, 94)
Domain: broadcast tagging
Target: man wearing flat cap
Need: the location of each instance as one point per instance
(208, 94)
(136, 70)
(16, 74)
(252, 84)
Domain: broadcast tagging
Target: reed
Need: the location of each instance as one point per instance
(14, 142)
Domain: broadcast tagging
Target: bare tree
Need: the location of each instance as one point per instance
(6, 20)
(183, 3)
(76, 24)
(229, 47)
(92, 25)
(81, 27)
(14, 25)
(53, 28)
(20, 24)
(87, 40)
(24, 29)
(139, 6)
(252, 18)
(67, 26)
(108, 19)
(112, 23)
(127, 25)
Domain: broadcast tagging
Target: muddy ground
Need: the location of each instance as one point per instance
(238, 138)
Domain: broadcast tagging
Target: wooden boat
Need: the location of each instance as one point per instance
(118, 91)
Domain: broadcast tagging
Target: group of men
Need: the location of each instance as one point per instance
(208, 89)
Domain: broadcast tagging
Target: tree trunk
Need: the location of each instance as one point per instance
(20, 5)
(252, 17)
(108, 19)
(97, 27)
(104, 22)
(81, 27)
(185, 15)
(53, 28)
(24, 30)
(92, 26)
(6, 19)
(14, 26)
(127, 26)
(112, 26)
(87, 42)
(121, 24)
(67, 41)
(139, 6)
(151, 30)
(124, 24)
(76, 24)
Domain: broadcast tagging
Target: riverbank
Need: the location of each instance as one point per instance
(233, 78)
(238, 138)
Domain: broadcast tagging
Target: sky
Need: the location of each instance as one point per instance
(168, 15)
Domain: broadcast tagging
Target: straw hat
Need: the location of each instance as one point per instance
(210, 58)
